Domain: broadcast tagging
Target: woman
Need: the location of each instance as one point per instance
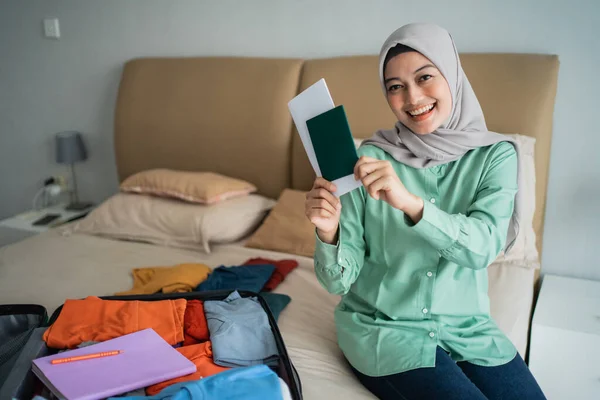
(409, 249)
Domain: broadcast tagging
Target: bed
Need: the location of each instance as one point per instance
(175, 113)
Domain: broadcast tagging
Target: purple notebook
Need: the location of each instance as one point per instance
(146, 359)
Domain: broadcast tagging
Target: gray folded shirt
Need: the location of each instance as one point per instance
(240, 332)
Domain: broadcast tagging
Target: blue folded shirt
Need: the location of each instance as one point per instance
(240, 332)
(251, 383)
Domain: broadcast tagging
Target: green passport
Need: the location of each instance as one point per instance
(333, 143)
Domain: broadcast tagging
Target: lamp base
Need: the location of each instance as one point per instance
(79, 206)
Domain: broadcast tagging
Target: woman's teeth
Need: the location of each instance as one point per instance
(421, 110)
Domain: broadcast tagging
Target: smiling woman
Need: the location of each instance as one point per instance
(414, 320)
(416, 90)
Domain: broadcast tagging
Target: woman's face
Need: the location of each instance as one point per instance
(417, 92)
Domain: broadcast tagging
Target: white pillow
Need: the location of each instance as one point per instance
(524, 252)
(175, 223)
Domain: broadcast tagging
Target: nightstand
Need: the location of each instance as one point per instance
(21, 226)
(564, 353)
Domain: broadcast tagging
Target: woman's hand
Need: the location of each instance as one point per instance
(382, 183)
(323, 210)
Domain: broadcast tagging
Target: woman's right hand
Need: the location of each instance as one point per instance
(323, 210)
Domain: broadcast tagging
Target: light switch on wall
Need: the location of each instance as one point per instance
(51, 28)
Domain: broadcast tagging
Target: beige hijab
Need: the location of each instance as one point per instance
(465, 130)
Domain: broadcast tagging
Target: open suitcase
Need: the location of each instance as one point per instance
(17, 324)
(19, 384)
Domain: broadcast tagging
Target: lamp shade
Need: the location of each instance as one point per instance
(70, 147)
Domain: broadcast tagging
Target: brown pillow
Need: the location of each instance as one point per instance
(193, 187)
(286, 229)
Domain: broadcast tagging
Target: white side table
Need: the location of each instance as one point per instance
(565, 338)
(21, 226)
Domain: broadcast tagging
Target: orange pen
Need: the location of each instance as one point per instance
(86, 357)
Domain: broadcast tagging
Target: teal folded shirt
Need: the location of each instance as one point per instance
(245, 277)
(276, 302)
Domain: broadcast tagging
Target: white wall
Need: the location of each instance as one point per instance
(47, 85)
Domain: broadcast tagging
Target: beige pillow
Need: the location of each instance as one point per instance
(195, 187)
(286, 229)
(175, 223)
(524, 252)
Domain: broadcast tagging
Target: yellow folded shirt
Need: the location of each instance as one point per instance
(175, 279)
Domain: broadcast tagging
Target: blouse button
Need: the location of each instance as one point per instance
(432, 200)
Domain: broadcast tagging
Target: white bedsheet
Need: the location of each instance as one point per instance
(48, 268)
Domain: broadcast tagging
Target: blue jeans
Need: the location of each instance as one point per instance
(450, 380)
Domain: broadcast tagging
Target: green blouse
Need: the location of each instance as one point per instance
(407, 288)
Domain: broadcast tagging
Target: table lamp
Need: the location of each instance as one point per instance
(69, 150)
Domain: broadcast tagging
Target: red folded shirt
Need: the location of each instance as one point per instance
(195, 328)
(282, 268)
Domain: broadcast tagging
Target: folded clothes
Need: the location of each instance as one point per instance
(240, 332)
(251, 383)
(175, 279)
(195, 329)
(98, 320)
(201, 355)
(276, 302)
(282, 268)
(251, 278)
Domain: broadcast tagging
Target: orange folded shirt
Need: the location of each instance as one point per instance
(95, 319)
(195, 328)
(201, 355)
(174, 279)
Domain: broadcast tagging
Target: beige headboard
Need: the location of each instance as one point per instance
(516, 92)
(227, 115)
(230, 115)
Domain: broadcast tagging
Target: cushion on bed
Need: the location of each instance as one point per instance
(175, 223)
(511, 301)
(195, 187)
(286, 229)
(524, 252)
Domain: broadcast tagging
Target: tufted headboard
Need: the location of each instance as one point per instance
(229, 115)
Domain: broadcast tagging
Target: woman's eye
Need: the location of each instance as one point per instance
(426, 77)
(393, 88)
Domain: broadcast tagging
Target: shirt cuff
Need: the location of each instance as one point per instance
(326, 254)
(437, 226)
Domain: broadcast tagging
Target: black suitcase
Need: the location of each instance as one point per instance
(17, 323)
(17, 385)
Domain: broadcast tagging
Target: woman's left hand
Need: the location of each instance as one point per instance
(382, 183)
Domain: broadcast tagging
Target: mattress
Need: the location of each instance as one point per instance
(48, 268)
